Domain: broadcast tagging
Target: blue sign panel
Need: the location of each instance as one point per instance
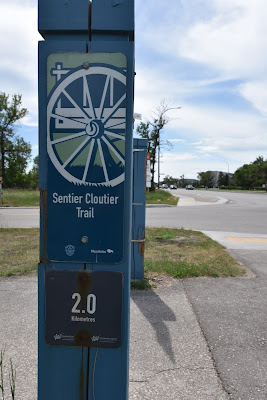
(86, 126)
(83, 308)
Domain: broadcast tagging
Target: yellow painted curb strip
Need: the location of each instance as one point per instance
(247, 239)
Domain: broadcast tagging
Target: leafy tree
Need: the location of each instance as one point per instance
(152, 131)
(14, 151)
(252, 175)
(18, 154)
(205, 178)
(182, 181)
(243, 176)
(263, 173)
(33, 174)
(169, 180)
(223, 179)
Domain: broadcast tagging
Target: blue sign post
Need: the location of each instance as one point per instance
(86, 74)
(139, 208)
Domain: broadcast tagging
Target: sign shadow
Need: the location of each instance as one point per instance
(157, 313)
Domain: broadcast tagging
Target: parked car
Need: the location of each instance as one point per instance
(173, 187)
(189, 187)
(164, 186)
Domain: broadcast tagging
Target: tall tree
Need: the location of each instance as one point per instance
(223, 179)
(152, 131)
(263, 173)
(252, 175)
(18, 154)
(33, 174)
(205, 178)
(11, 146)
(170, 180)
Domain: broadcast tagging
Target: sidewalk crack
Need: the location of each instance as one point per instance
(190, 368)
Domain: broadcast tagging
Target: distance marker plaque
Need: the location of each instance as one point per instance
(83, 308)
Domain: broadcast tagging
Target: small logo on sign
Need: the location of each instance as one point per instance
(110, 251)
(57, 337)
(70, 250)
(95, 338)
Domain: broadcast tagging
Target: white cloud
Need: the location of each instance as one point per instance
(207, 149)
(171, 157)
(18, 47)
(231, 39)
(218, 123)
(256, 93)
(176, 140)
(234, 43)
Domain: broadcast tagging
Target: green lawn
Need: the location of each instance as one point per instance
(176, 252)
(161, 197)
(19, 251)
(184, 254)
(20, 198)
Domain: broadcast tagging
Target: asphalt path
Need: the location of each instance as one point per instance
(232, 315)
(231, 312)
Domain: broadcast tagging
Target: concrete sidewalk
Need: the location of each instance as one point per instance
(169, 357)
(202, 338)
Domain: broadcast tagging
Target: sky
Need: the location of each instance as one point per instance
(206, 56)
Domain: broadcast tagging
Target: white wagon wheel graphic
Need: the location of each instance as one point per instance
(86, 123)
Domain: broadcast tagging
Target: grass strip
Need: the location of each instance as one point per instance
(161, 197)
(179, 253)
(186, 254)
(20, 198)
(19, 251)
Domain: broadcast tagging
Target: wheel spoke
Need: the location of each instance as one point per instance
(114, 109)
(74, 154)
(102, 160)
(111, 95)
(76, 105)
(88, 160)
(86, 94)
(103, 97)
(58, 116)
(115, 135)
(65, 138)
(117, 125)
(113, 150)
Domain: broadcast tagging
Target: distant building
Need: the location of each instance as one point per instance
(188, 181)
(219, 175)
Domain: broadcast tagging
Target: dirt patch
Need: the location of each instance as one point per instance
(180, 239)
(160, 281)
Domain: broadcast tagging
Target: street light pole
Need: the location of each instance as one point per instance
(158, 161)
(171, 108)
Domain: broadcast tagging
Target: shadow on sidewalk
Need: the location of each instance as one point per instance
(157, 313)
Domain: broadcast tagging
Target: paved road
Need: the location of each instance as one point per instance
(14, 217)
(241, 212)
